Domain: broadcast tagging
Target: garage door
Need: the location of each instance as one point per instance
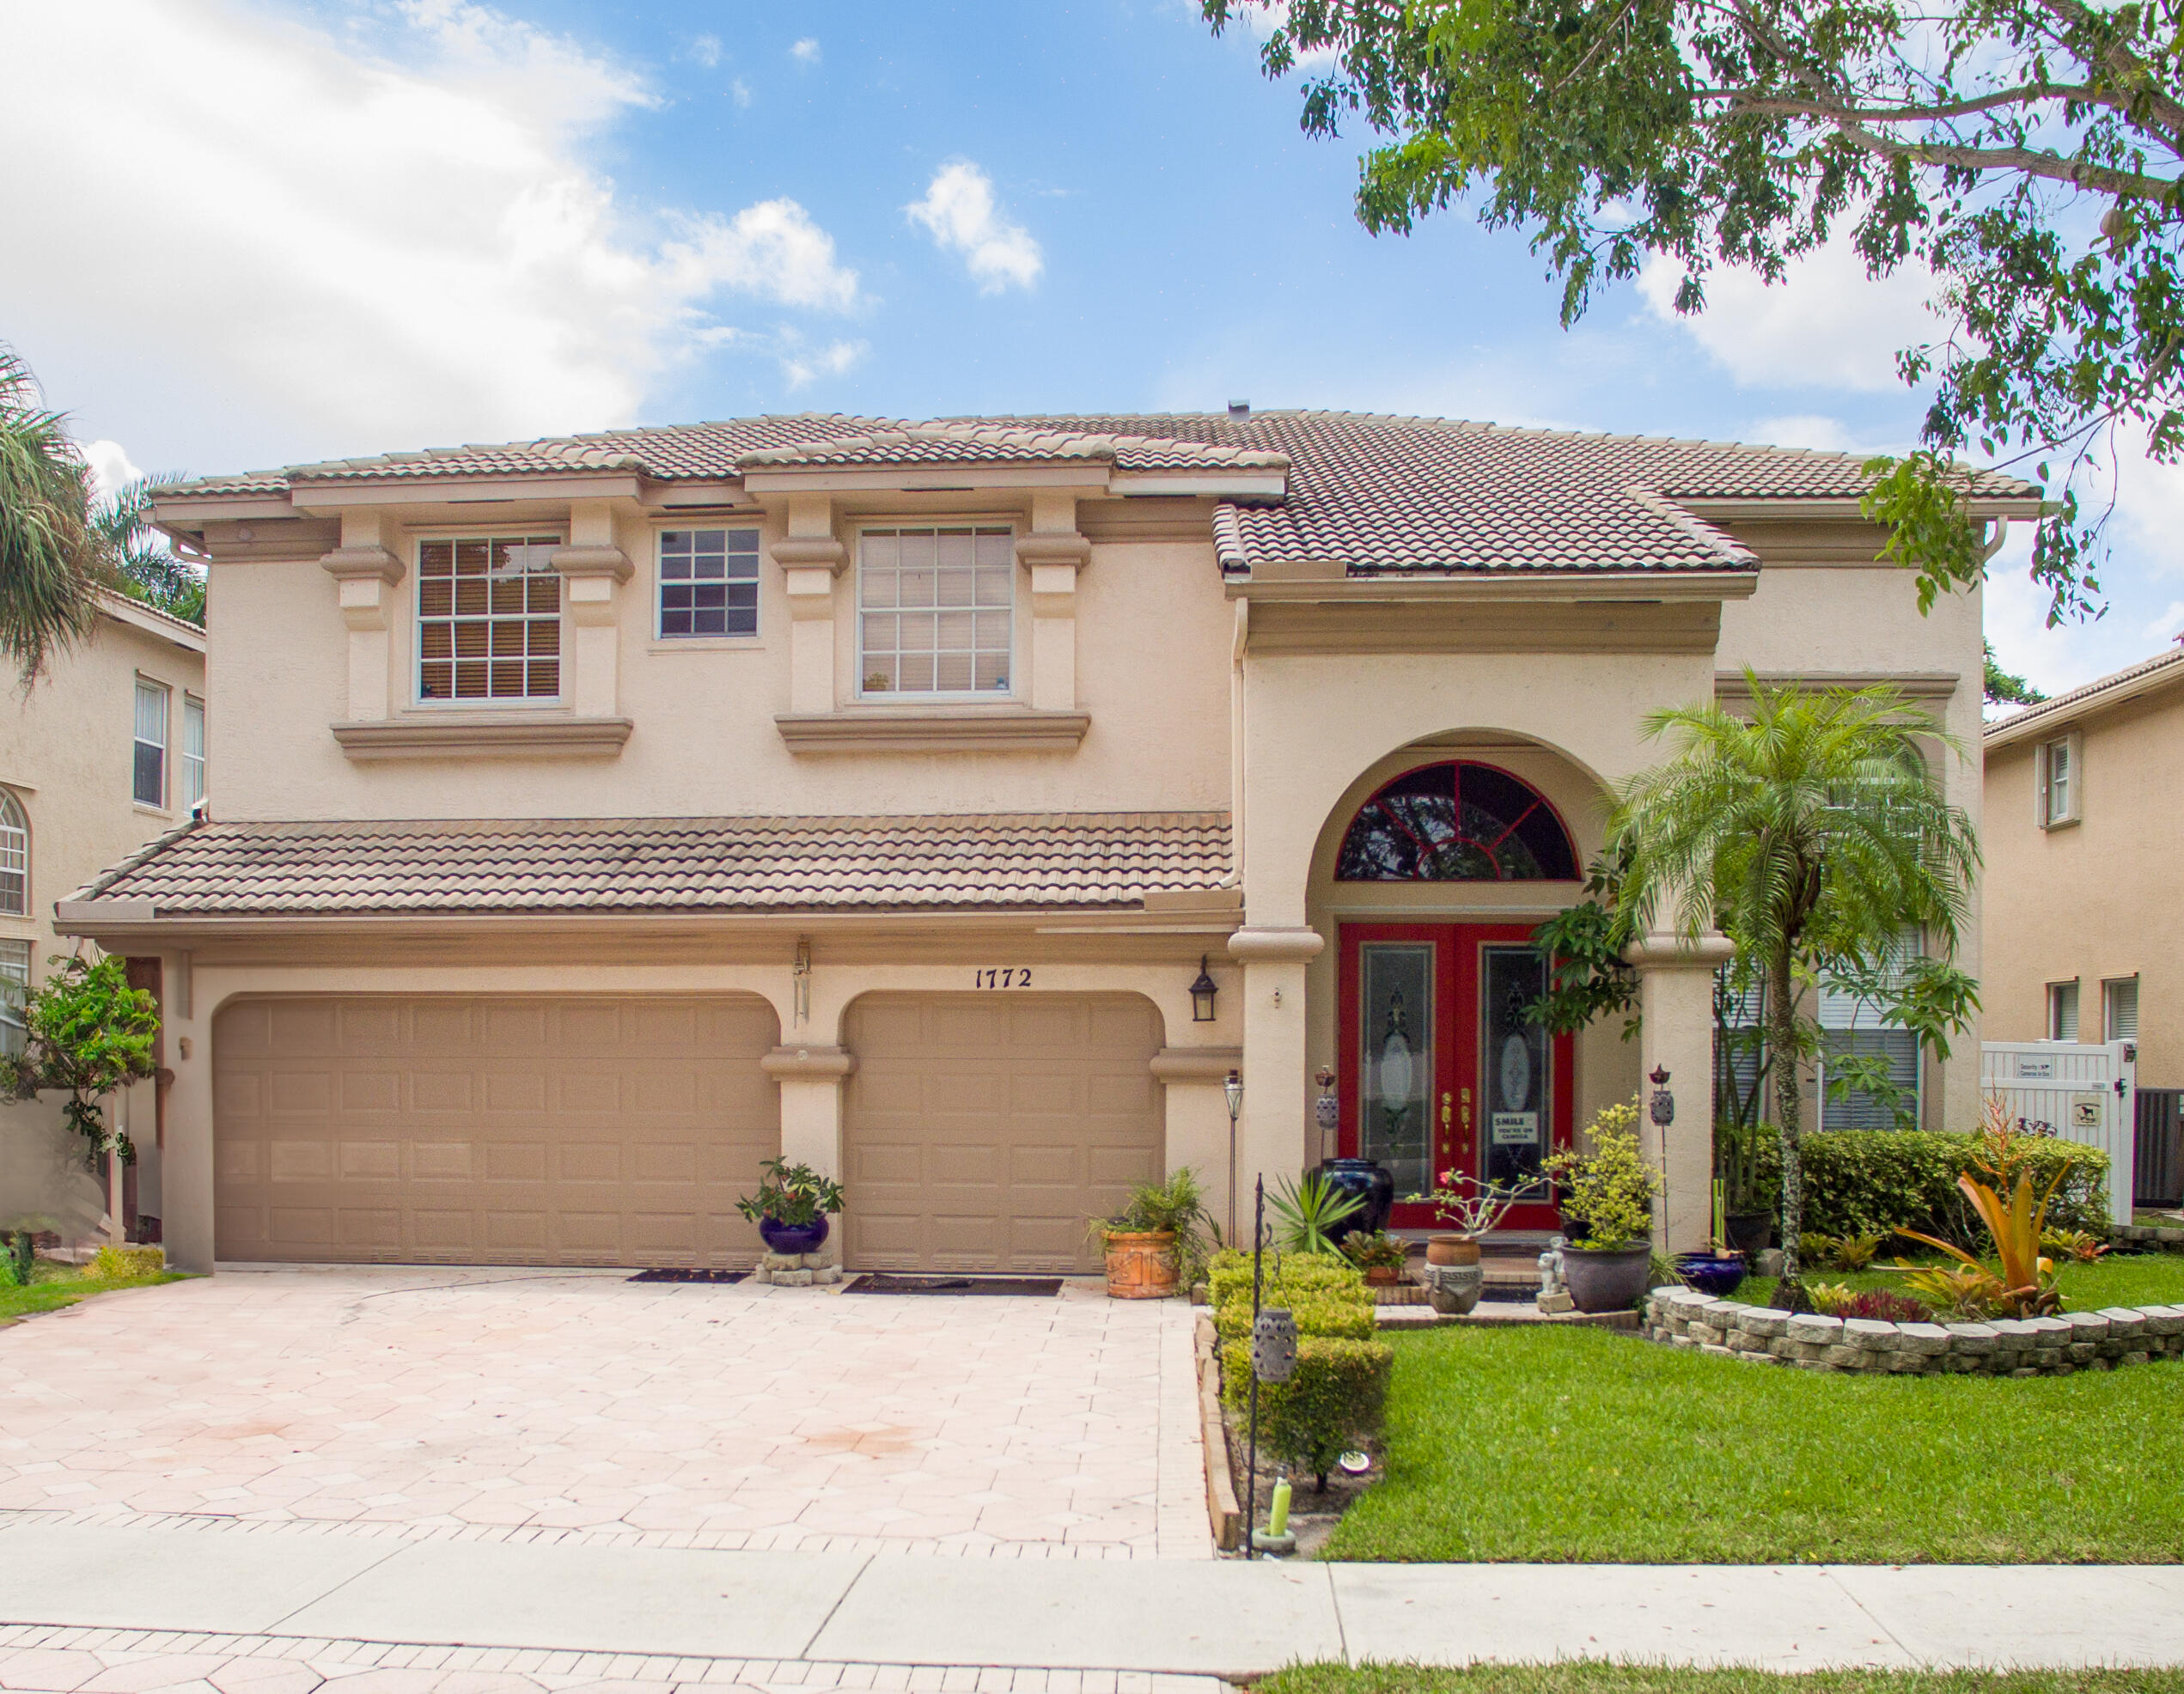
(516, 1131)
(981, 1131)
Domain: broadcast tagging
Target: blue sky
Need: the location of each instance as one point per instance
(271, 233)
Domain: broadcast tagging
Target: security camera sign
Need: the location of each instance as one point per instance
(1515, 1129)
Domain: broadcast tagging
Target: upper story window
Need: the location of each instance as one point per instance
(192, 751)
(2058, 777)
(709, 582)
(14, 857)
(2062, 1010)
(1457, 822)
(489, 618)
(149, 778)
(935, 610)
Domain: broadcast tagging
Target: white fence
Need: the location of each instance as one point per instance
(2079, 1091)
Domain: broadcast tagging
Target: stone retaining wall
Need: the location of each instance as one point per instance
(2122, 1335)
(2163, 1238)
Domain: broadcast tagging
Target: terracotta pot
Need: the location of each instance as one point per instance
(1382, 1276)
(1452, 1250)
(1141, 1264)
(1606, 1282)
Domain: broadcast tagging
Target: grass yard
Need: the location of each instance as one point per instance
(1556, 1444)
(2145, 1279)
(57, 1285)
(1578, 1677)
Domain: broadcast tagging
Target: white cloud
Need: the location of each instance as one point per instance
(384, 238)
(111, 467)
(1826, 324)
(837, 358)
(2167, 626)
(805, 52)
(740, 91)
(706, 50)
(958, 211)
(1804, 429)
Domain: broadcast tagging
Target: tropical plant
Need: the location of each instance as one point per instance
(2017, 1220)
(1608, 1183)
(1377, 1250)
(1584, 942)
(1175, 1207)
(1810, 830)
(147, 568)
(86, 1032)
(1839, 1252)
(791, 1194)
(52, 563)
(1308, 1209)
(1837, 1299)
(1968, 1292)
(1466, 1204)
(2079, 1244)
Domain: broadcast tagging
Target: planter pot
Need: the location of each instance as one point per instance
(1372, 1182)
(1452, 1250)
(1454, 1288)
(1750, 1233)
(1141, 1264)
(792, 1238)
(1382, 1276)
(1709, 1274)
(1606, 1282)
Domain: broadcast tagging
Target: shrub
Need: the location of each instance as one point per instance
(1294, 1273)
(1835, 1300)
(121, 1265)
(1860, 1182)
(1317, 1313)
(1608, 1187)
(1334, 1400)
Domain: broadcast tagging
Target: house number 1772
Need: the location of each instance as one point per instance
(1005, 977)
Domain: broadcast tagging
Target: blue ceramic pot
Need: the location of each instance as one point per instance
(1372, 1182)
(789, 1238)
(1710, 1275)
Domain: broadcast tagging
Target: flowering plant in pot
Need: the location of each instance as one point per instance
(1379, 1255)
(1473, 1207)
(792, 1206)
(1611, 1188)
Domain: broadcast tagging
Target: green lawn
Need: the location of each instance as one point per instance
(1578, 1677)
(2147, 1279)
(1571, 1444)
(58, 1285)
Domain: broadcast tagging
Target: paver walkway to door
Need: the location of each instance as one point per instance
(571, 1406)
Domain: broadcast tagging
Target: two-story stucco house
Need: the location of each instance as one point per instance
(600, 815)
(103, 753)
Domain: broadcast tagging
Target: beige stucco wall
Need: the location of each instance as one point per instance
(67, 753)
(2095, 900)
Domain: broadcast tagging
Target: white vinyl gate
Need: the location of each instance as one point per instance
(2082, 1092)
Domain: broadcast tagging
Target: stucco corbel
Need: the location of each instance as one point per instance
(578, 563)
(827, 1062)
(1277, 944)
(362, 576)
(810, 552)
(1664, 951)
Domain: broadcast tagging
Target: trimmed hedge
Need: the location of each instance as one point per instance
(1863, 1182)
(1294, 1273)
(1317, 1313)
(1334, 1401)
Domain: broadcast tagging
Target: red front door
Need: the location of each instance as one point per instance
(1440, 1070)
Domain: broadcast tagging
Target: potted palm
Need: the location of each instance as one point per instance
(1150, 1242)
(792, 1206)
(1473, 1207)
(1610, 1188)
(1380, 1256)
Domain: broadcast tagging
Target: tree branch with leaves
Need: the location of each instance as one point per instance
(87, 1033)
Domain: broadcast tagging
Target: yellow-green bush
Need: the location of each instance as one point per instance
(1294, 1273)
(1335, 1400)
(1317, 1313)
(122, 1264)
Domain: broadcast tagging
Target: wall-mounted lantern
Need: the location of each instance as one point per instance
(1664, 1106)
(1202, 993)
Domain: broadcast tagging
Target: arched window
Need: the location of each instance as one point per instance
(14, 856)
(1457, 822)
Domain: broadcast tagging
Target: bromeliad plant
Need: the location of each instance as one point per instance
(1307, 1210)
(791, 1194)
(1379, 1251)
(1611, 1188)
(2024, 1285)
(1470, 1206)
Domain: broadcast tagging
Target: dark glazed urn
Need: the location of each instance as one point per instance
(1371, 1182)
(1710, 1275)
(792, 1238)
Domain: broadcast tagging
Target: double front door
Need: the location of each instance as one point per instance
(1441, 1071)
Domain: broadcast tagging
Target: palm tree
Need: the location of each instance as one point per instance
(51, 563)
(1811, 829)
(148, 570)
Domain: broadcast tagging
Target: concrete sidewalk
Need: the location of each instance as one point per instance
(814, 1610)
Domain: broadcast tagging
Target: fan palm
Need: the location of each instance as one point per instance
(148, 570)
(52, 562)
(1811, 829)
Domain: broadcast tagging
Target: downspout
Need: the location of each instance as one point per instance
(1237, 643)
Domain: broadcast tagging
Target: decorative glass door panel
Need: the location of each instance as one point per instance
(1440, 1070)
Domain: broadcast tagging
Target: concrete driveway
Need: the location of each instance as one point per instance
(547, 1406)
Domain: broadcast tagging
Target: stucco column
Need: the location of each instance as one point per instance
(1053, 553)
(1271, 1134)
(810, 559)
(185, 1162)
(365, 575)
(1196, 1114)
(1676, 1035)
(811, 1080)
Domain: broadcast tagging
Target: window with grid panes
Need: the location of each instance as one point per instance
(14, 986)
(192, 751)
(14, 857)
(935, 610)
(489, 618)
(709, 582)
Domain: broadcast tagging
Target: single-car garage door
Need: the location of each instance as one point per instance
(981, 1130)
(529, 1129)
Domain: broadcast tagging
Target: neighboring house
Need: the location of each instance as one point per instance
(2085, 815)
(102, 753)
(950, 805)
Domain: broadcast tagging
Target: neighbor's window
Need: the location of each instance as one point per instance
(14, 857)
(15, 984)
(2062, 1011)
(192, 751)
(149, 780)
(709, 582)
(935, 610)
(2058, 782)
(489, 618)
(2119, 1010)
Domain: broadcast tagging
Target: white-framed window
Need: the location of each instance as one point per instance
(2062, 1010)
(2119, 1010)
(192, 761)
(709, 583)
(1851, 1028)
(2059, 775)
(15, 984)
(488, 619)
(935, 610)
(149, 775)
(14, 856)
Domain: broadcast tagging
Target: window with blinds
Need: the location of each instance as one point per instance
(1851, 1028)
(489, 618)
(2062, 1011)
(192, 762)
(935, 610)
(14, 857)
(148, 773)
(2119, 1010)
(14, 986)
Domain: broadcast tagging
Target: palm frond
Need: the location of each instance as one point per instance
(52, 563)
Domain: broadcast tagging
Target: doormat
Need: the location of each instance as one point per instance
(690, 1275)
(877, 1281)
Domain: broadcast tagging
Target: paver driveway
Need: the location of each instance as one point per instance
(509, 1403)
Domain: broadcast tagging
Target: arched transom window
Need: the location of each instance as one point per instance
(14, 856)
(1457, 822)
